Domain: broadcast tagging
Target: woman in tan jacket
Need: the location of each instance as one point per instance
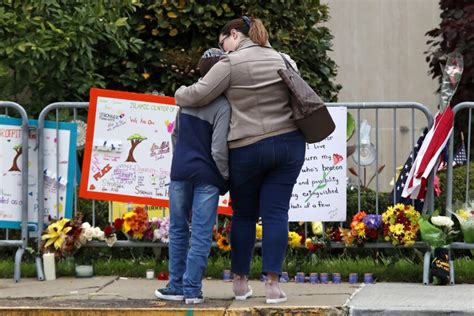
(266, 148)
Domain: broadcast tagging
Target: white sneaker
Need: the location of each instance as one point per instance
(194, 300)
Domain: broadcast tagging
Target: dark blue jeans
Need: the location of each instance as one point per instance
(262, 176)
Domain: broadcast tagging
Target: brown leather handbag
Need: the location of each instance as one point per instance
(309, 112)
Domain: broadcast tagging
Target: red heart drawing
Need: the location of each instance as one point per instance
(92, 187)
(225, 201)
(336, 158)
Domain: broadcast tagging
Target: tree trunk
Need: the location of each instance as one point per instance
(14, 166)
(135, 143)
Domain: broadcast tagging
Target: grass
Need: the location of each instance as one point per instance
(388, 270)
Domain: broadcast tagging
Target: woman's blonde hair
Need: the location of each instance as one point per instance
(251, 27)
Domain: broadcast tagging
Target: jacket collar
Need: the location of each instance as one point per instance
(247, 42)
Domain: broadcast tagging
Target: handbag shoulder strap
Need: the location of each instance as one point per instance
(287, 63)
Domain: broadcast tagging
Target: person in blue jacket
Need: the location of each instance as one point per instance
(199, 174)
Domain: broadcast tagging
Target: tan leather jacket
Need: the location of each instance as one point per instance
(258, 97)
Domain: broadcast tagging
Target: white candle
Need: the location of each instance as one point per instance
(49, 266)
(150, 274)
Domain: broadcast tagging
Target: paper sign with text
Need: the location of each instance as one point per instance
(320, 190)
(128, 154)
(58, 173)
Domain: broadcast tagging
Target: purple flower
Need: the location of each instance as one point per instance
(373, 221)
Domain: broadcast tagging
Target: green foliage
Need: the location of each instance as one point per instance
(179, 31)
(459, 185)
(454, 34)
(51, 51)
(367, 201)
(57, 50)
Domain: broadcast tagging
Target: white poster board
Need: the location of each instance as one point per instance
(58, 173)
(320, 190)
(128, 152)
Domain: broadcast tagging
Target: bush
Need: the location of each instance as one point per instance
(459, 185)
(54, 52)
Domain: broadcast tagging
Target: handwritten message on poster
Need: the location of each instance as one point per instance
(128, 152)
(60, 161)
(320, 190)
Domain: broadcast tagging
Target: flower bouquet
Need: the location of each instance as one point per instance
(400, 224)
(65, 237)
(437, 231)
(222, 235)
(364, 227)
(465, 216)
(135, 225)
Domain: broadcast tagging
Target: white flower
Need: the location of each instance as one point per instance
(88, 233)
(442, 221)
(98, 233)
(110, 240)
(85, 225)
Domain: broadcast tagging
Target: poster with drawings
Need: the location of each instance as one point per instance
(128, 152)
(58, 173)
(320, 190)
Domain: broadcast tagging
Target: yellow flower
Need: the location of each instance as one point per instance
(294, 239)
(462, 213)
(223, 243)
(259, 231)
(56, 233)
(317, 228)
(396, 229)
(145, 75)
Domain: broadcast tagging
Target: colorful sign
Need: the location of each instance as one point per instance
(128, 152)
(60, 162)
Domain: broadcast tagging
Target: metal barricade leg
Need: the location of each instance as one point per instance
(18, 256)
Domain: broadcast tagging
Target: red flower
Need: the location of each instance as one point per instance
(108, 230)
(163, 275)
(118, 223)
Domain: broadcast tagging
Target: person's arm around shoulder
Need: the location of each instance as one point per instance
(220, 130)
(212, 85)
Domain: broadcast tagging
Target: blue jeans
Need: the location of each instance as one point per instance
(187, 265)
(262, 176)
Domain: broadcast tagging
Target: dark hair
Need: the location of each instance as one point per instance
(205, 64)
(251, 27)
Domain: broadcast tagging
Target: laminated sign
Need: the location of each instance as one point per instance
(320, 190)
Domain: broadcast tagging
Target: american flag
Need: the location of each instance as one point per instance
(402, 178)
(459, 158)
(428, 157)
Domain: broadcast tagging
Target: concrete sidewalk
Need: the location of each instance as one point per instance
(126, 296)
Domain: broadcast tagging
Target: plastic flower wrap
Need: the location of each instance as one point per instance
(400, 224)
(465, 216)
(452, 73)
(437, 231)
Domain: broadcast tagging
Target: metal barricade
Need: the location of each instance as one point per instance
(74, 106)
(449, 178)
(397, 108)
(23, 243)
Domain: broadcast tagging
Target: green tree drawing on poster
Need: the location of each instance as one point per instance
(134, 139)
(18, 149)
